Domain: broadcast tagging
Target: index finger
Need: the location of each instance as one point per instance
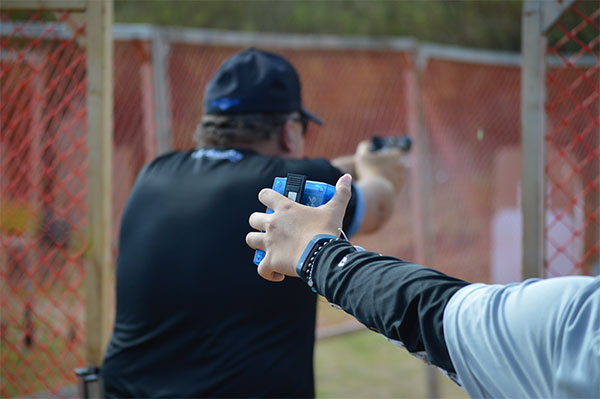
(272, 199)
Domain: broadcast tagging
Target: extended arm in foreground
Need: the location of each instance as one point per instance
(538, 338)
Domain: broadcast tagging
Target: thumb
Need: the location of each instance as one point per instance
(343, 192)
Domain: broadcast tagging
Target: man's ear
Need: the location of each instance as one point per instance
(286, 139)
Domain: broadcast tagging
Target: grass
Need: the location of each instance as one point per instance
(365, 365)
(56, 346)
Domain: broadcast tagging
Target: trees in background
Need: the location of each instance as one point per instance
(483, 24)
(490, 24)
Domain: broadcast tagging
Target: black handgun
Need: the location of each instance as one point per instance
(403, 143)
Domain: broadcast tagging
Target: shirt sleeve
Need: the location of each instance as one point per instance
(355, 212)
(401, 300)
(539, 338)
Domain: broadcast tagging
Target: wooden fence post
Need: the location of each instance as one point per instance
(99, 18)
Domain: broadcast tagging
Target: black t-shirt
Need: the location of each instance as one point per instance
(194, 319)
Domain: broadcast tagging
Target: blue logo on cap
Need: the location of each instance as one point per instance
(225, 103)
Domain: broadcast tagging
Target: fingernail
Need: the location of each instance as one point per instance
(347, 179)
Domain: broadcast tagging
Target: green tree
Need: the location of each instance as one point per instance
(493, 24)
(484, 24)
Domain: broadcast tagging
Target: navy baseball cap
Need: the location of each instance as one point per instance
(255, 81)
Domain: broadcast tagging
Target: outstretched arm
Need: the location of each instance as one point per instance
(379, 175)
(534, 339)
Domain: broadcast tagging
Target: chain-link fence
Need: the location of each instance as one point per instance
(43, 153)
(463, 104)
(134, 126)
(472, 120)
(572, 227)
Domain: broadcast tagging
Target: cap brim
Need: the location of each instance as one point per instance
(311, 116)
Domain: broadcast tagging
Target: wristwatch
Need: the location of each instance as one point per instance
(305, 264)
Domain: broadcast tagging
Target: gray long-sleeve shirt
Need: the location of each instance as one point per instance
(538, 339)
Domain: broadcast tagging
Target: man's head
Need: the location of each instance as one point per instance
(254, 96)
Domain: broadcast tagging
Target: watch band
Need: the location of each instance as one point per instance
(305, 264)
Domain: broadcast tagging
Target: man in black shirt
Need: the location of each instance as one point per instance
(186, 325)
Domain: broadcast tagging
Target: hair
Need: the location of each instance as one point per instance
(226, 130)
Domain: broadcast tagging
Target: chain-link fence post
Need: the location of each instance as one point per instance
(162, 91)
(421, 179)
(532, 139)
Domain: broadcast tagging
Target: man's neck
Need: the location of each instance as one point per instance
(268, 147)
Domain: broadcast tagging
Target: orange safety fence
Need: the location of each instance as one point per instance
(134, 126)
(43, 160)
(470, 114)
(572, 228)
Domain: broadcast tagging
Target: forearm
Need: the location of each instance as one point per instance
(379, 199)
(401, 300)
